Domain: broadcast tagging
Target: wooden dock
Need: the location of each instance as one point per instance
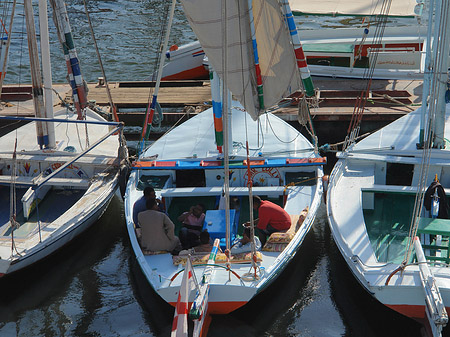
(389, 100)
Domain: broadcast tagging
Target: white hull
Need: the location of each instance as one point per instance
(227, 292)
(358, 177)
(94, 177)
(401, 55)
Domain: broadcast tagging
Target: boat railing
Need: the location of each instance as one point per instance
(217, 190)
(378, 188)
(41, 179)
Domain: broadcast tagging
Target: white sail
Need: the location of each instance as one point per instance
(277, 60)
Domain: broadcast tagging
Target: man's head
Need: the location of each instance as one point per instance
(151, 204)
(246, 235)
(149, 192)
(256, 202)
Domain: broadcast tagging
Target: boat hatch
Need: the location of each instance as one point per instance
(387, 223)
(190, 178)
(387, 213)
(399, 174)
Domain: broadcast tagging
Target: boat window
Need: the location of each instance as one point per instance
(157, 182)
(301, 178)
(399, 174)
(190, 178)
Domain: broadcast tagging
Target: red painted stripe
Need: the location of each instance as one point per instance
(197, 73)
(221, 308)
(182, 308)
(218, 124)
(258, 74)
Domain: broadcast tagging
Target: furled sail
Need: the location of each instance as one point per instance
(277, 62)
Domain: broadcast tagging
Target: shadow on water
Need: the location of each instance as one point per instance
(159, 314)
(94, 287)
(83, 289)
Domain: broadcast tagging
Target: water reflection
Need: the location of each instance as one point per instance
(94, 287)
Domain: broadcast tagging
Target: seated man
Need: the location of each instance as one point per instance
(157, 230)
(192, 226)
(244, 245)
(272, 218)
(141, 204)
(205, 243)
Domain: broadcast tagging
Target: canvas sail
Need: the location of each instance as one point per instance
(280, 76)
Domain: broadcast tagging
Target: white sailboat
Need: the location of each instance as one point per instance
(396, 249)
(186, 167)
(59, 172)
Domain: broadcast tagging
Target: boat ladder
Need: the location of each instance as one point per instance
(435, 308)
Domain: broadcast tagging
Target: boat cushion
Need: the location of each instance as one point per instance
(202, 258)
(278, 241)
(274, 247)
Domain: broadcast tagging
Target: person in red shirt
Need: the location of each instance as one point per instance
(271, 218)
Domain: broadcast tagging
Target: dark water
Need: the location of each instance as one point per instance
(93, 287)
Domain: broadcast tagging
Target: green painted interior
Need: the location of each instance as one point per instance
(388, 225)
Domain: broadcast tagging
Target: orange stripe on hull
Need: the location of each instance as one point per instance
(197, 73)
(219, 308)
(416, 312)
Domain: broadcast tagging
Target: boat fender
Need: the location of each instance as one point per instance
(436, 189)
(325, 179)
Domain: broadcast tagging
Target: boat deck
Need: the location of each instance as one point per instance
(46, 213)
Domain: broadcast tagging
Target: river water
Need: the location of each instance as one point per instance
(93, 287)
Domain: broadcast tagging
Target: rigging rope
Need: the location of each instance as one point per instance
(360, 103)
(108, 91)
(8, 36)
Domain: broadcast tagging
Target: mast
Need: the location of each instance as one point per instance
(298, 49)
(70, 54)
(47, 71)
(217, 108)
(225, 116)
(152, 107)
(36, 80)
(259, 84)
(441, 65)
(427, 77)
